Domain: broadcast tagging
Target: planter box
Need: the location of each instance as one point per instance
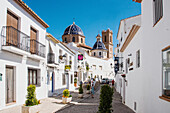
(80, 95)
(66, 100)
(88, 92)
(30, 109)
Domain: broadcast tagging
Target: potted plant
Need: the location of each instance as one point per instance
(75, 82)
(88, 89)
(66, 96)
(70, 62)
(67, 67)
(31, 104)
(87, 68)
(80, 95)
(60, 57)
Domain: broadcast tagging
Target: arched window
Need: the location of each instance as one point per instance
(81, 40)
(65, 40)
(94, 54)
(100, 53)
(73, 40)
(105, 39)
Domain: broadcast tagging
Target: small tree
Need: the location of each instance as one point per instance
(66, 93)
(88, 87)
(106, 94)
(81, 89)
(31, 96)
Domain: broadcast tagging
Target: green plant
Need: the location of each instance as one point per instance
(31, 96)
(75, 80)
(81, 89)
(88, 87)
(106, 94)
(87, 68)
(67, 67)
(66, 93)
(70, 95)
(70, 62)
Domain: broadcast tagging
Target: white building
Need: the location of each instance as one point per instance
(22, 53)
(58, 78)
(145, 52)
(98, 59)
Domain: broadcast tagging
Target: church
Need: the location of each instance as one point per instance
(97, 61)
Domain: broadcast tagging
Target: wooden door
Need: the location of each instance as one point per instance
(12, 32)
(33, 37)
(9, 85)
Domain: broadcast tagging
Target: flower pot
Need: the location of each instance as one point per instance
(88, 92)
(80, 95)
(31, 109)
(75, 84)
(66, 100)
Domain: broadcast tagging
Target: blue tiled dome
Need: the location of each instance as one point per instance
(99, 45)
(73, 29)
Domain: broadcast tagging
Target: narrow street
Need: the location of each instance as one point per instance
(90, 105)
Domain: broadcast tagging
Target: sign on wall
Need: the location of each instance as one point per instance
(80, 57)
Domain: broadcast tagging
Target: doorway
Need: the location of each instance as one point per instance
(10, 85)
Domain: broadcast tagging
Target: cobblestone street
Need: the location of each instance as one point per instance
(90, 105)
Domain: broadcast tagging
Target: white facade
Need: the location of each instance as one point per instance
(15, 62)
(57, 67)
(99, 68)
(143, 86)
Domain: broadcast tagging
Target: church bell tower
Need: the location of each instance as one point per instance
(107, 39)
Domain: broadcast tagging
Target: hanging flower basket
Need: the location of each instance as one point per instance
(60, 57)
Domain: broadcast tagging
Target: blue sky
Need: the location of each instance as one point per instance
(92, 16)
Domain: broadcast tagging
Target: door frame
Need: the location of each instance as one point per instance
(14, 85)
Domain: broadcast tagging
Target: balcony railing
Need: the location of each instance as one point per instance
(51, 58)
(14, 37)
(37, 48)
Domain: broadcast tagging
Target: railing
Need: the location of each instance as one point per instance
(51, 58)
(14, 37)
(37, 48)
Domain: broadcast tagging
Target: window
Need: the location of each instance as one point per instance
(94, 67)
(100, 53)
(60, 52)
(71, 79)
(81, 40)
(166, 71)
(158, 10)
(64, 79)
(33, 38)
(94, 54)
(110, 38)
(33, 77)
(127, 65)
(100, 67)
(73, 40)
(65, 40)
(105, 38)
(138, 59)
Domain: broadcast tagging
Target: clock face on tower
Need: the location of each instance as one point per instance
(80, 57)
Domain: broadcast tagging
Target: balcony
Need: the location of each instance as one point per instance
(51, 58)
(16, 41)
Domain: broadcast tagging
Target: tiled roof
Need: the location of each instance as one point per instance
(84, 46)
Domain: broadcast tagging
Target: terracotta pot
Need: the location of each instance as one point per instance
(75, 84)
